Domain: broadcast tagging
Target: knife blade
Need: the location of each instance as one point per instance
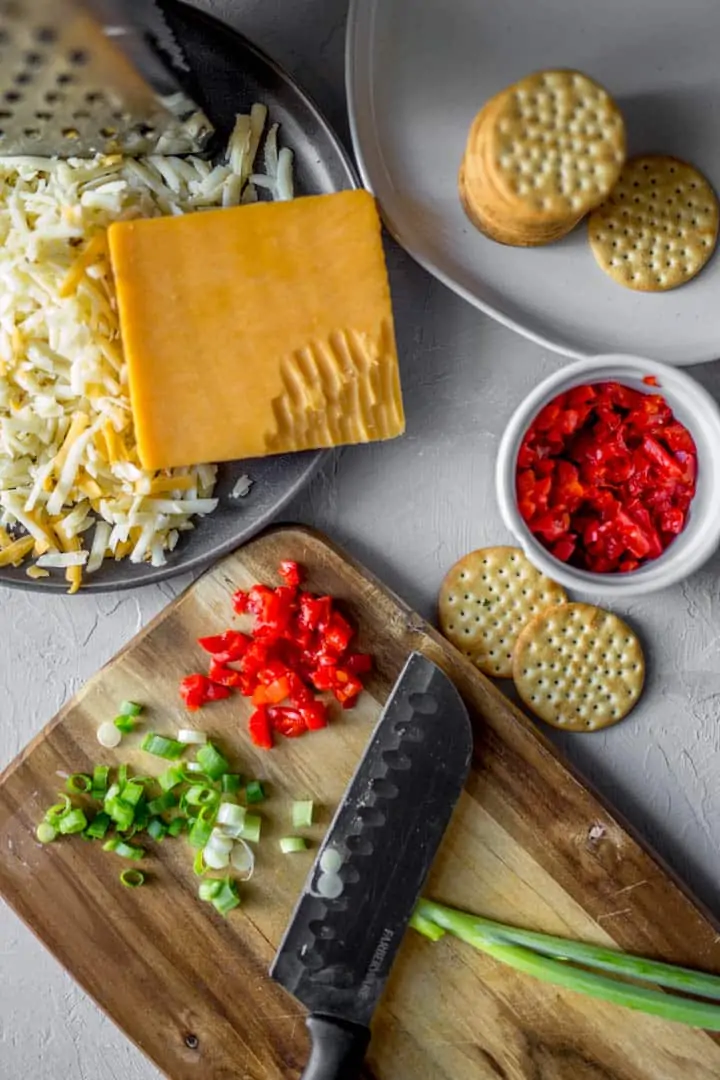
(342, 938)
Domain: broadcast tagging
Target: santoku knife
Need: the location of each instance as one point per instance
(342, 939)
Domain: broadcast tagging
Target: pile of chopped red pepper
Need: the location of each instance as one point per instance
(300, 643)
(605, 477)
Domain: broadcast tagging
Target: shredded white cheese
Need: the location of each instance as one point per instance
(70, 477)
(241, 487)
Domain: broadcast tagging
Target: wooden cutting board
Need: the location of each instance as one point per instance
(529, 845)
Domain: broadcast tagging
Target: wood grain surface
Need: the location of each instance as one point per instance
(529, 844)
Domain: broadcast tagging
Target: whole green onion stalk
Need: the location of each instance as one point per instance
(557, 960)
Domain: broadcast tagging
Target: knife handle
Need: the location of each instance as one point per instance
(338, 1049)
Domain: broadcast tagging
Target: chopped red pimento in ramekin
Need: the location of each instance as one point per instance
(605, 476)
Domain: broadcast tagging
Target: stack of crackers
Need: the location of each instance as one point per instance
(575, 666)
(550, 149)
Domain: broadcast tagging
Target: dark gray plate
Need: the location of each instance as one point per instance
(231, 74)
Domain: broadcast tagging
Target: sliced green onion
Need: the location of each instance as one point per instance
(132, 879)
(208, 890)
(202, 827)
(130, 708)
(157, 829)
(330, 886)
(200, 795)
(125, 724)
(223, 895)
(45, 832)
(191, 737)
(242, 859)
(132, 793)
(161, 746)
(79, 783)
(72, 822)
(302, 813)
(226, 898)
(123, 775)
(98, 826)
(108, 735)
(254, 792)
(199, 864)
(231, 782)
(112, 792)
(167, 801)
(251, 828)
(54, 813)
(231, 814)
(177, 825)
(290, 844)
(331, 860)
(172, 776)
(124, 850)
(193, 771)
(215, 858)
(100, 776)
(212, 761)
(142, 815)
(122, 814)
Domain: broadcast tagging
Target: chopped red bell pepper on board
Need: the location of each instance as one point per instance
(259, 728)
(290, 572)
(605, 476)
(226, 647)
(299, 644)
(196, 690)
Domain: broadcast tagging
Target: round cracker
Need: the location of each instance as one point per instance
(658, 228)
(578, 667)
(502, 229)
(556, 145)
(485, 601)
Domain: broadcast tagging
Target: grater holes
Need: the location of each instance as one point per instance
(41, 115)
(33, 59)
(23, 78)
(5, 114)
(78, 57)
(65, 78)
(31, 133)
(11, 96)
(81, 114)
(95, 97)
(70, 133)
(146, 130)
(53, 96)
(108, 132)
(46, 35)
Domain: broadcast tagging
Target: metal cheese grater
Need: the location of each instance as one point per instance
(79, 77)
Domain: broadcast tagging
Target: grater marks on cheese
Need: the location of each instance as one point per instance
(79, 77)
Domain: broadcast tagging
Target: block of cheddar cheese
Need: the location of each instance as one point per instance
(257, 329)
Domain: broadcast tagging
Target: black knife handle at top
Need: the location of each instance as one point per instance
(338, 1049)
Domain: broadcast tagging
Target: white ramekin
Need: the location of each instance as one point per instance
(693, 406)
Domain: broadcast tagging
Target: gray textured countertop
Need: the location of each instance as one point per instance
(407, 509)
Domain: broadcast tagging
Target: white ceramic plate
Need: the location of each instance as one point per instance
(419, 70)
